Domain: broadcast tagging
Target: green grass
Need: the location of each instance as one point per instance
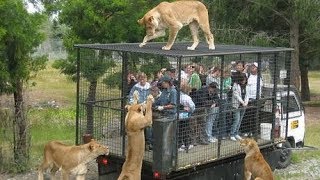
(50, 85)
(47, 123)
(311, 139)
(41, 134)
(314, 82)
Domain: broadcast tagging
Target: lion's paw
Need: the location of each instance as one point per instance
(142, 44)
(150, 98)
(166, 48)
(135, 97)
(191, 48)
(212, 47)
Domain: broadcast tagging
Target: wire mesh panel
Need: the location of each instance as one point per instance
(205, 101)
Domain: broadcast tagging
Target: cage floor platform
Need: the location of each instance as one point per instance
(199, 154)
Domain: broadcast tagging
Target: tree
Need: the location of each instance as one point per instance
(287, 22)
(300, 19)
(93, 22)
(19, 36)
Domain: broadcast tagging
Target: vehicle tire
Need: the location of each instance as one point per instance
(285, 156)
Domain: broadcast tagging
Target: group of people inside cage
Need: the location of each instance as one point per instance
(211, 106)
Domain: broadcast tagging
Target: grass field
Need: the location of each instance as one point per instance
(52, 116)
(314, 83)
(51, 103)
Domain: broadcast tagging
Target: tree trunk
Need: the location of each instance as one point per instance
(20, 126)
(294, 43)
(90, 103)
(305, 90)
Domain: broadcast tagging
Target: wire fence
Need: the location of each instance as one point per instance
(218, 97)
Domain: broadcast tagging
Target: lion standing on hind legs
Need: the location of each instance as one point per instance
(138, 117)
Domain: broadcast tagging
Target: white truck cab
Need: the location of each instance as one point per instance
(296, 118)
(292, 129)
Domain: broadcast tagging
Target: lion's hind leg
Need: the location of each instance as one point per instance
(46, 164)
(204, 25)
(65, 174)
(194, 27)
(126, 177)
(123, 176)
(53, 172)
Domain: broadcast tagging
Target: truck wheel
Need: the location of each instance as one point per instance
(285, 156)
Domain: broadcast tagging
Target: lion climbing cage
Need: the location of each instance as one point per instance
(103, 76)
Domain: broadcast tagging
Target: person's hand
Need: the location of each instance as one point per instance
(160, 108)
(245, 104)
(186, 108)
(213, 105)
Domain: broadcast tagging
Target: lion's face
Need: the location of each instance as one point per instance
(150, 24)
(248, 144)
(134, 107)
(97, 148)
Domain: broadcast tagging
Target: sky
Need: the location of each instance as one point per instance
(32, 9)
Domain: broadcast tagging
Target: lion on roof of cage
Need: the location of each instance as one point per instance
(174, 16)
(138, 117)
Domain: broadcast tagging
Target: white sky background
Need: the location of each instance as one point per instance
(32, 9)
(38, 8)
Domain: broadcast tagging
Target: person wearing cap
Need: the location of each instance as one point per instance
(171, 72)
(166, 103)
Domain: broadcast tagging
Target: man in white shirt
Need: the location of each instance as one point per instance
(252, 84)
(250, 121)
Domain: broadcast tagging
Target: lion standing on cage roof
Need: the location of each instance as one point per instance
(174, 16)
(138, 117)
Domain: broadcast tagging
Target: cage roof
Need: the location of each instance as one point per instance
(179, 49)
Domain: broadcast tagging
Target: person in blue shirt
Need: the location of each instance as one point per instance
(143, 87)
(166, 103)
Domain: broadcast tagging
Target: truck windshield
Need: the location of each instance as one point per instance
(293, 105)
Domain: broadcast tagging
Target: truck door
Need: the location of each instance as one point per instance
(292, 107)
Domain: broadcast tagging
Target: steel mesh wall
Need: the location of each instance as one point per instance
(103, 90)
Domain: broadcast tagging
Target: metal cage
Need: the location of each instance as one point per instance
(103, 87)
